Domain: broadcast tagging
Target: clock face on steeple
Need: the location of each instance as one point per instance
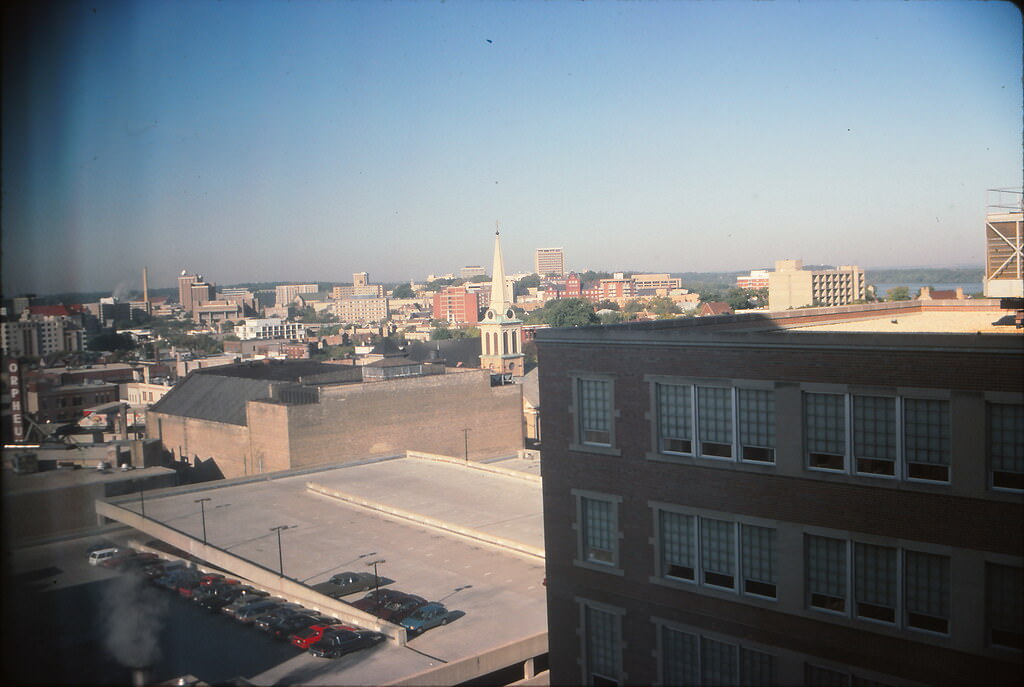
(490, 314)
(509, 314)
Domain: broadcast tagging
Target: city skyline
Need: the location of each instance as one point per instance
(288, 142)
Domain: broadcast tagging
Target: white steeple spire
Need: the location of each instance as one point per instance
(500, 301)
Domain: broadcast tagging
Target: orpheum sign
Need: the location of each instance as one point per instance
(17, 401)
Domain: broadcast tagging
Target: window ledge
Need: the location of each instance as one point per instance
(591, 448)
(610, 569)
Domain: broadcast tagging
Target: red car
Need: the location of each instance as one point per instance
(314, 633)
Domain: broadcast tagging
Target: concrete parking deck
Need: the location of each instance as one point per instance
(413, 513)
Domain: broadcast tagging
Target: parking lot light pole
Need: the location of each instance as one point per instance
(202, 512)
(280, 557)
(465, 437)
(142, 499)
(376, 578)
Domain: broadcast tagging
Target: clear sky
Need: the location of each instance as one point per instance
(273, 141)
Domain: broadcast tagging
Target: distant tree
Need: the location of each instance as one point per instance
(230, 337)
(438, 284)
(403, 291)
(568, 312)
(606, 305)
(898, 293)
(663, 307)
(111, 342)
(523, 286)
(479, 279)
(633, 306)
(591, 275)
(611, 317)
(440, 332)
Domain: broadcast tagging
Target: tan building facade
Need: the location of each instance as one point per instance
(267, 421)
(791, 286)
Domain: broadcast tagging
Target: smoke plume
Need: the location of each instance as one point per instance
(134, 615)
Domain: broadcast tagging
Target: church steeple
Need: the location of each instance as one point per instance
(500, 301)
(501, 333)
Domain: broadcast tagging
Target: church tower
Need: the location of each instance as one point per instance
(501, 334)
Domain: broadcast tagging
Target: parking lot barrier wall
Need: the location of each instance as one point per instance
(484, 663)
(259, 576)
(534, 552)
(483, 467)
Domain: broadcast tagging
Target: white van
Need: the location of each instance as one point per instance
(97, 557)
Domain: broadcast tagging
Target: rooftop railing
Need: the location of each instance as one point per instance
(1004, 200)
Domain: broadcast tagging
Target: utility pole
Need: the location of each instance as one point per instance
(465, 437)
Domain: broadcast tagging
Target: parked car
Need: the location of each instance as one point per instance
(397, 608)
(245, 597)
(249, 612)
(346, 583)
(283, 610)
(106, 557)
(314, 633)
(170, 579)
(284, 628)
(189, 583)
(426, 617)
(208, 591)
(343, 642)
(221, 596)
(376, 599)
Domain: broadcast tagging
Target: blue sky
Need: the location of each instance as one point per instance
(266, 141)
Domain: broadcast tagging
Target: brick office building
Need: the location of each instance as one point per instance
(278, 415)
(735, 501)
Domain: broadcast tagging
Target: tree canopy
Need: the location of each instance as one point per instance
(566, 312)
(403, 291)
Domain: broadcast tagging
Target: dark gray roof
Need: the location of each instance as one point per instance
(270, 370)
(217, 398)
(454, 351)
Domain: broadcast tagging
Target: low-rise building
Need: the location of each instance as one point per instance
(269, 328)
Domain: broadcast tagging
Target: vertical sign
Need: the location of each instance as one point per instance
(17, 402)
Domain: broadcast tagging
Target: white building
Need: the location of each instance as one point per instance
(271, 328)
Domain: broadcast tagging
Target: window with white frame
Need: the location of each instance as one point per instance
(825, 431)
(874, 582)
(678, 545)
(718, 553)
(594, 411)
(719, 550)
(1004, 602)
(826, 573)
(716, 422)
(926, 589)
(926, 438)
(602, 646)
(874, 435)
(1006, 445)
(877, 576)
(675, 417)
(689, 658)
(598, 530)
(757, 424)
(886, 436)
(758, 555)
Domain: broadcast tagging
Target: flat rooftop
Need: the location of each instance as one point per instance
(467, 535)
(934, 322)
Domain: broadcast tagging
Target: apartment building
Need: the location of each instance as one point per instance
(652, 282)
(457, 304)
(361, 286)
(40, 335)
(286, 293)
(757, 279)
(360, 309)
(755, 499)
(547, 261)
(791, 286)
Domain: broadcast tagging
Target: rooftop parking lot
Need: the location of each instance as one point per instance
(469, 536)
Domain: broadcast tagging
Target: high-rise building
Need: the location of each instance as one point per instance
(791, 286)
(763, 500)
(193, 291)
(549, 261)
(501, 332)
(470, 271)
(757, 279)
(1004, 244)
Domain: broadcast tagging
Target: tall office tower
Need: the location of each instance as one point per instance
(185, 282)
(1004, 244)
(773, 502)
(501, 333)
(549, 261)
